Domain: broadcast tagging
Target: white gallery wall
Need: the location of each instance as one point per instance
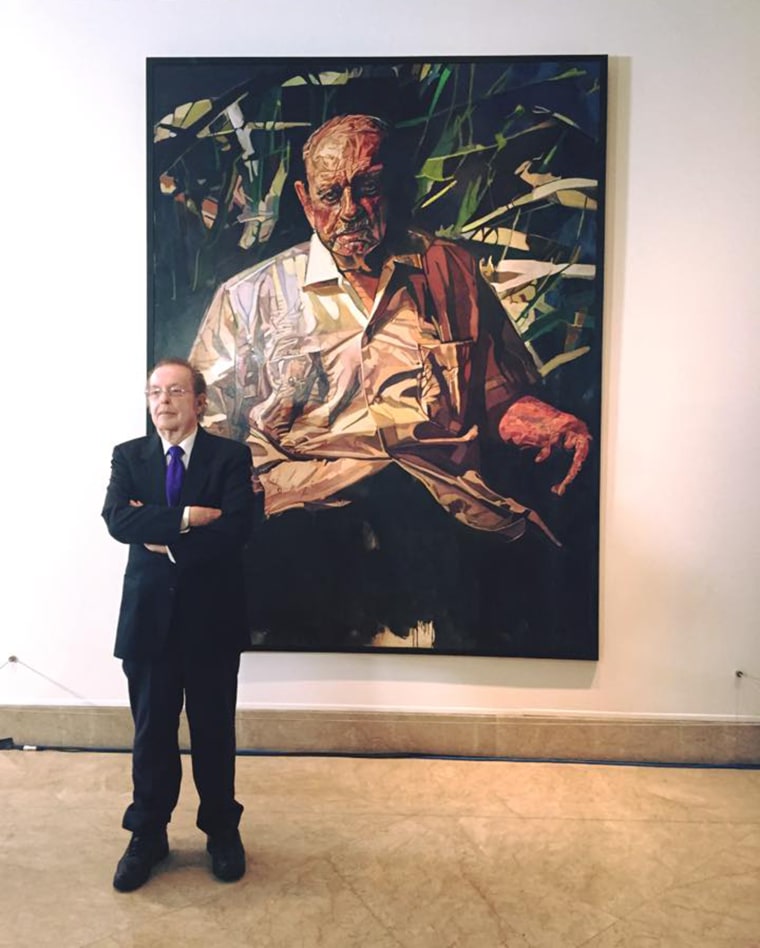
(680, 567)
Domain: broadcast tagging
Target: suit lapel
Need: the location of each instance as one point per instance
(197, 471)
(155, 471)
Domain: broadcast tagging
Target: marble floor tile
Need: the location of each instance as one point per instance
(391, 853)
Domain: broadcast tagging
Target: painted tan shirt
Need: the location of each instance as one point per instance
(326, 392)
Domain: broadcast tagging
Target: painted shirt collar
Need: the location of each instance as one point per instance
(321, 268)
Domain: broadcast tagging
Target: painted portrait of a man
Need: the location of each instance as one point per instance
(426, 475)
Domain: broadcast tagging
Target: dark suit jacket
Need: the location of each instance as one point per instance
(204, 591)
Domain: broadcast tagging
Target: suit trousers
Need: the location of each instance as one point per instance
(207, 683)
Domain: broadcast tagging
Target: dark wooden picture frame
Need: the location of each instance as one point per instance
(499, 163)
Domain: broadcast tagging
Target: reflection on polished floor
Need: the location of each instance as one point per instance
(367, 853)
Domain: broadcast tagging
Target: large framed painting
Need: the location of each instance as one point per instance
(389, 272)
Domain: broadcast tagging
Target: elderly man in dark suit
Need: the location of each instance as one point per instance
(182, 500)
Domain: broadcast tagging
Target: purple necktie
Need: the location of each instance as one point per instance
(175, 472)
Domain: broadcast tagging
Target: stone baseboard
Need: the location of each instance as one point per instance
(532, 737)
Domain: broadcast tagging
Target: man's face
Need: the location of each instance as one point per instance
(345, 201)
(174, 408)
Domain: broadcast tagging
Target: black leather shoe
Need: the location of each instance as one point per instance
(227, 855)
(142, 854)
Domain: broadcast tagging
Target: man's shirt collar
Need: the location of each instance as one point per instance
(320, 266)
(322, 270)
(186, 444)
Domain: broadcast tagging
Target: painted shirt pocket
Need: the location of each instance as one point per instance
(444, 381)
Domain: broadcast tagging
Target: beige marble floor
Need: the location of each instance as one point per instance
(392, 854)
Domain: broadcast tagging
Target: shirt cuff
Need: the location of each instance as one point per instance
(184, 525)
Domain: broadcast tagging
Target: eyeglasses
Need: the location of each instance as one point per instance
(173, 391)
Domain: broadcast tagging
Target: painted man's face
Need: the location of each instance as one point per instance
(345, 201)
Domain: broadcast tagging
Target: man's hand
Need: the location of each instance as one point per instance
(202, 516)
(531, 423)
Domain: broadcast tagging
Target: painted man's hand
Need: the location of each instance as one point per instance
(531, 423)
(202, 516)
